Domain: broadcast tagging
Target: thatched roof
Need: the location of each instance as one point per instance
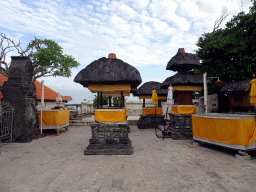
(183, 62)
(148, 87)
(106, 71)
(235, 86)
(183, 79)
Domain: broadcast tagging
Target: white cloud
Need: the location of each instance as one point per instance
(139, 32)
(141, 4)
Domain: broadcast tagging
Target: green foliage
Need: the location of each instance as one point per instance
(230, 53)
(48, 59)
(104, 100)
(71, 108)
(116, 101)
(212, 88)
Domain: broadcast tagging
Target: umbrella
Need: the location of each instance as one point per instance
(154, 97)
(253, 91)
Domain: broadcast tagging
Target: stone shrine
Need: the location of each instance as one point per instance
(151, 116)
(184, 84)
(20, 92)
(109, 77)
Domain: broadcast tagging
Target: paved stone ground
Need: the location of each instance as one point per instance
(57, 163)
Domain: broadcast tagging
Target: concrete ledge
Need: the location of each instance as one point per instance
(243, 157)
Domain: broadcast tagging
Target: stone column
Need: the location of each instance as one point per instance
(20, 92)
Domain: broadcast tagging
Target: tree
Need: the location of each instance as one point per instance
(230, 53)
(46, 55)
(71, 108)
(104, 100)
(48, 59)
(116, 101)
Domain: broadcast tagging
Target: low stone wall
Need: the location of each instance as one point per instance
(134, 108)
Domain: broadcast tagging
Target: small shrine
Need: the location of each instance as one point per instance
(184, 84)
(151, 115)
(109, 77)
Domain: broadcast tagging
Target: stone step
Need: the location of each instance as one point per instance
(79, 123)
(84, 123)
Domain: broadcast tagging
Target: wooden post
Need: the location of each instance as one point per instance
(143, 103)
(109, 101)
(122, 102)
(159, 103)
(101, 101)
(98, 100)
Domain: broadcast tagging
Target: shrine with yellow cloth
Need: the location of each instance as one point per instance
(234, 131)
(54, 119)
(184, 84)
(109, 77)
(152, 114)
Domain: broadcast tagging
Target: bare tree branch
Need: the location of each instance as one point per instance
(222, 17)
(4, 50)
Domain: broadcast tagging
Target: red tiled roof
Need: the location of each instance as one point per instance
(49, 94)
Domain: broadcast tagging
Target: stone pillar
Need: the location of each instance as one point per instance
(20, 93)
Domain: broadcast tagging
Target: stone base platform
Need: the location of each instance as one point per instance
(149, 121)
(109, 139)
(180, 126)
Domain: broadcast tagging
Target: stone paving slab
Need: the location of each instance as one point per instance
(58, 164)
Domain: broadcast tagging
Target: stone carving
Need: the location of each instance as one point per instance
(20, 92)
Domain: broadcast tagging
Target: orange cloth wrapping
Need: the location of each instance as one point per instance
(110, 115)
(253, 92)
(54, 117)
(151, 111)
(184, 109)
(154, 98)
(229, 131)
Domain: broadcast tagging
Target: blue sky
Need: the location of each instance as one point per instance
(143, 33)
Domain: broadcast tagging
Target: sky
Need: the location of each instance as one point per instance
(144, 33)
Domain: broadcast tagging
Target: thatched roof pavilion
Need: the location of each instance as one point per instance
(183, 61)
(183, 79)
(109, 77)
(184, 83)
(145, 91)
(109, 71)
(148, 87)
(236, 86)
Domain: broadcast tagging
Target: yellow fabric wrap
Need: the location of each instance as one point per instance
(150, 97)
(154, 98)
(184, 109)
(115, 94)
(109, 88)
(230, 131)
(54, 117)
(110, 115)
(253, 92)
(187, 88)
(151, 111)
